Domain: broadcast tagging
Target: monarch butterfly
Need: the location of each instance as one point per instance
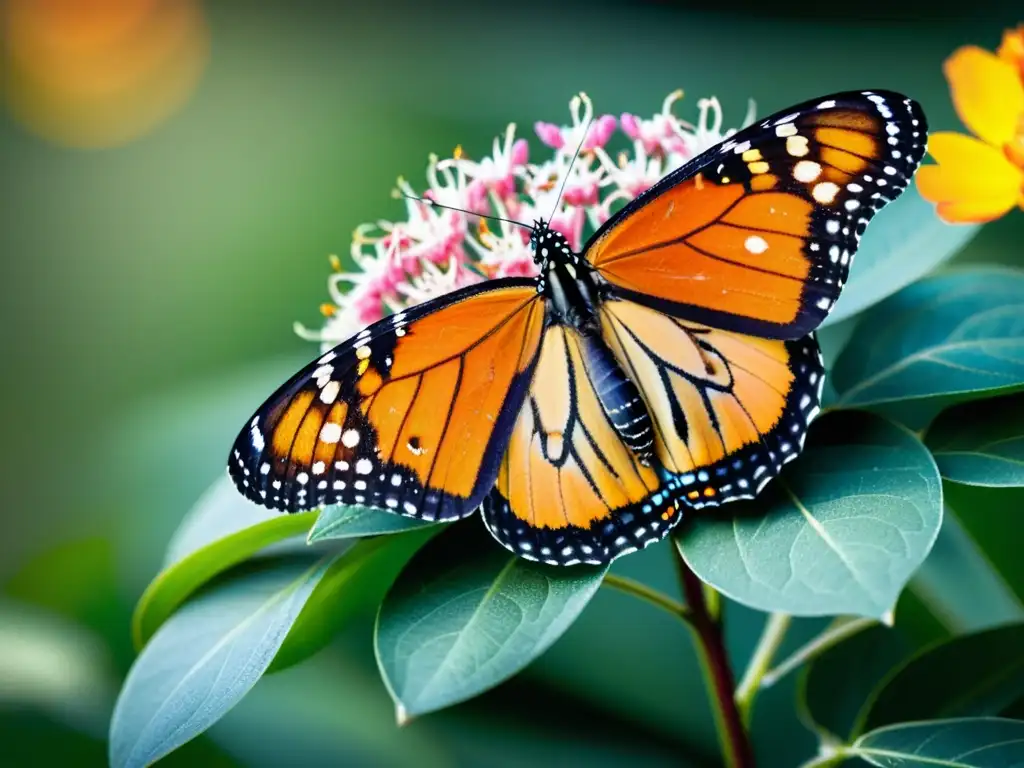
(669, 365)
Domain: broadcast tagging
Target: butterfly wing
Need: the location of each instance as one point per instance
(728, 410)
(757, 234)
(570, 489)
(411, 415)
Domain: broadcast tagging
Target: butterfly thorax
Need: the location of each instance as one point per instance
(568, 282)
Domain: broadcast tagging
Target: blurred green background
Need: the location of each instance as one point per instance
(169, 205)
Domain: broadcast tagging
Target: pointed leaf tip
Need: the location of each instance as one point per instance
(401, 716)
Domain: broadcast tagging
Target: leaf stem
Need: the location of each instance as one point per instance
(828, 758)
(772, 635)
(839, 631)
(706, 624)
(652, 596)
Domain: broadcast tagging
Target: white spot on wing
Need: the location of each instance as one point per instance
(756, 244)
(825, 192)
(330, 392)
(806, 171)
(330, 432)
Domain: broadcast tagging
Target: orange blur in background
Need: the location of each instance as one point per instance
(99, 73)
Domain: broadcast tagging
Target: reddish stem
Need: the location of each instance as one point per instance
(717, 671)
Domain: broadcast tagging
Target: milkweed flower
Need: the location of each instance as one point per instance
(631, 176)
(568, 137)
(980, 179)
(661, 134)
(433, 250)
(434, 281)
(495, 173)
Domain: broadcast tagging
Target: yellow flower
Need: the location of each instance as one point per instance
(980, 179)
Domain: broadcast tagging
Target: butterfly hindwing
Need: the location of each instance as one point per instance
(728, 410)
(411, 415)
(757, 234)
(570, 489)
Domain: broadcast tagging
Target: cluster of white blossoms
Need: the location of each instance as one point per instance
(434, 250)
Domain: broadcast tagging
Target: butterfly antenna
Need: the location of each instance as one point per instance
(579, 148)
(435, 204)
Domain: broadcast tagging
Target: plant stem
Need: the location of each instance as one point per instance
(652, 596)
(713, 601)
(707, 629)
(771, 638)
(839, 631)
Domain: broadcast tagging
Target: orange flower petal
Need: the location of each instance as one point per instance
(1011, 50)
(972, 182)
(967, 212)
(987, 92)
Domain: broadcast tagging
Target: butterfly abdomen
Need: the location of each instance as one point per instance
(621, 400)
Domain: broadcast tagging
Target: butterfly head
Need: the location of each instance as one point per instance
(548, 244)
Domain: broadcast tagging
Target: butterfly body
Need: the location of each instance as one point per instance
(669, 365)
(570, 286)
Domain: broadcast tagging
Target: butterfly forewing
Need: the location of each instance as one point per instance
(757, 234)
(411, 415)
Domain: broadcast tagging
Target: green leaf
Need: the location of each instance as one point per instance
(905, 242)
(834, 686)
(466, 614)
(356, 582)
(840, 532)
(833, 339)
(981, 443)
(330, 712)
(176, 583)
(219, 512)
(958, 584)
(340, 521)
(205, 658)
(959, 334)
(970, 675)
(977, 742)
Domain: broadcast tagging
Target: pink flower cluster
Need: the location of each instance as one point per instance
(434, 250)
